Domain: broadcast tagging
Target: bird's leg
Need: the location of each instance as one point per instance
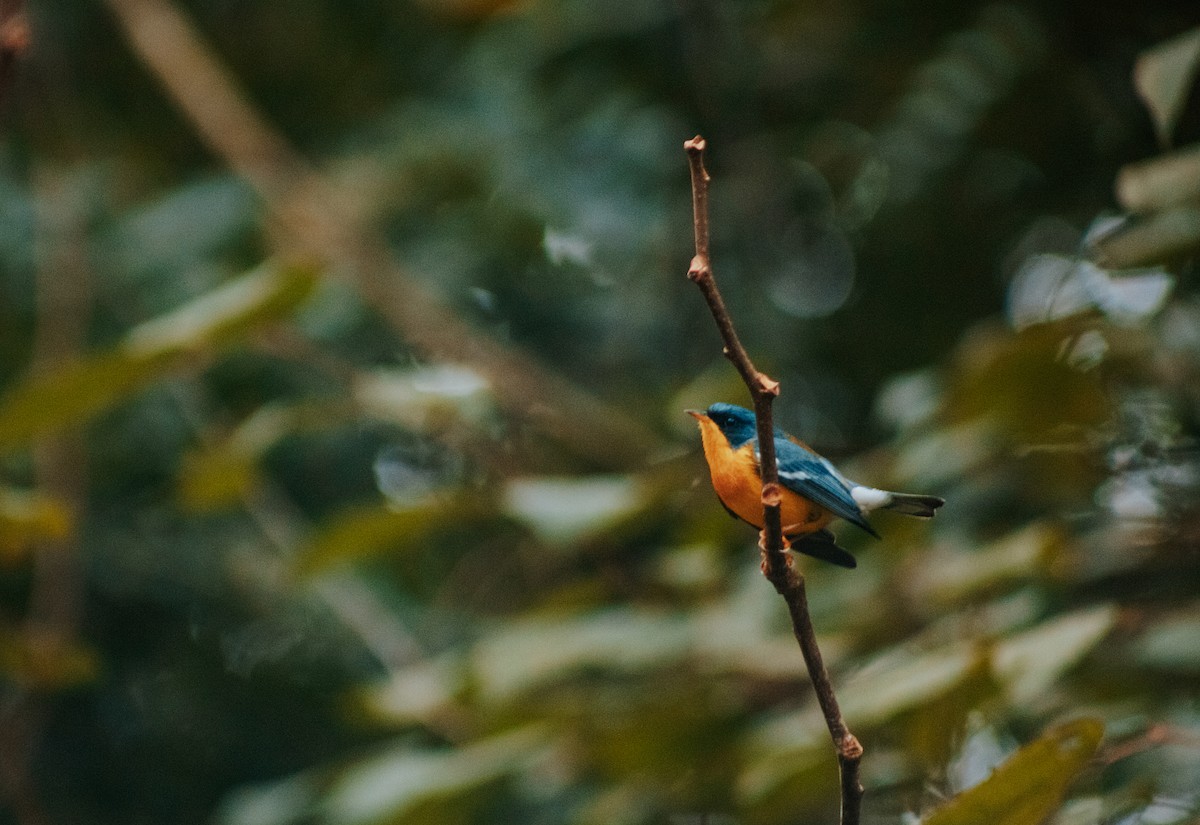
(764, 563)
(772, 496)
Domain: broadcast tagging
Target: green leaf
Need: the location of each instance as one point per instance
(1171, 643)
(953, 576)
(529, 653)
(400, 784)
(1029, 663)
(397, 785)
(902, 680)
(1031, 784)
(81, 389)
(897, 682)
(563, 509)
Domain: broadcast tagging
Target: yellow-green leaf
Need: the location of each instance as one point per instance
(212, 479)
(26, 517)
(1031, 784)
(225, 314)
(45, 662)
(219, 475)
(362, 531)
(85, 387)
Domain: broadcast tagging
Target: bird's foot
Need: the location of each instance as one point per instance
(765, 559)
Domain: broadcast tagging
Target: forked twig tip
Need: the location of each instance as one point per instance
(767, 384)
(851, 747)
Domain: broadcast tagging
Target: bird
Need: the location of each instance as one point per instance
(814, 491)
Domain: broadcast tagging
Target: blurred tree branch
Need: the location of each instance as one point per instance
(56, 593)
(312, 222)
(63, 302)
(777, 564)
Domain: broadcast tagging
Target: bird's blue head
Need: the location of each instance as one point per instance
(737, 424)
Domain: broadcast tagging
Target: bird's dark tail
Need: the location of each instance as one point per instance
(822, 545)
(910, 505)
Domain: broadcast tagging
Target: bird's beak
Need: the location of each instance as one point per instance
(696, 414)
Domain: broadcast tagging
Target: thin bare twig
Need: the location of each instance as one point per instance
(777, 564)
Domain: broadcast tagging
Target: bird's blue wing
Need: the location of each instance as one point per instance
(806, 473)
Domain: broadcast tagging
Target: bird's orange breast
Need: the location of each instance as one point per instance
(737, 482)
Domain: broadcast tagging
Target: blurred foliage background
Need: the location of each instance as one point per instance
(343, 352)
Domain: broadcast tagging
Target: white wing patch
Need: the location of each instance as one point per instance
(795, 475)
(868, 498)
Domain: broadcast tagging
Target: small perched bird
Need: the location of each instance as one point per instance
(814, 492)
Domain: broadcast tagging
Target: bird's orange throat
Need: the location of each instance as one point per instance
(730, 471)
